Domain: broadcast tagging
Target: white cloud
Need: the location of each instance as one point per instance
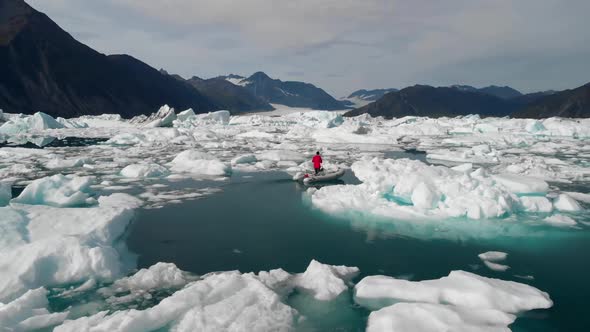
(273, 24)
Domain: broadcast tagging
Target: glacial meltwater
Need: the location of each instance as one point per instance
(262, 221)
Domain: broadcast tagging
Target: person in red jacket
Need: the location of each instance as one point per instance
(317, 162)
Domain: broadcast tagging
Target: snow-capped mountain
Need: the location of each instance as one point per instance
(289, 93)
(363, 97)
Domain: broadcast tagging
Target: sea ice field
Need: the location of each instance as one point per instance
(192, 222)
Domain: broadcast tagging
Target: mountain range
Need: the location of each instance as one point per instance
(363, 97)
(424, 100)
(289, 93)
(43, 68)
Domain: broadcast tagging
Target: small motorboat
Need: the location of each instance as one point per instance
(323, 176)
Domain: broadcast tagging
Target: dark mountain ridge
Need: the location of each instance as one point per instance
(423, 100)
(43, 68)
(289, 93)
(573, 103)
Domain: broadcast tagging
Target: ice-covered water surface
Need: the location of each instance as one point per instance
(509, 185)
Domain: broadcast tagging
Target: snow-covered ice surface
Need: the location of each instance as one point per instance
(63, 234)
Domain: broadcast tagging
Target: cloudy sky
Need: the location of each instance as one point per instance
(345, 45)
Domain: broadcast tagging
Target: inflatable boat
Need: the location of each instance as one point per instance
(323, 176)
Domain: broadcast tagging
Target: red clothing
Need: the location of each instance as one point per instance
(317, 161)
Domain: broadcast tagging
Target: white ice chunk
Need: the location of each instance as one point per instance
(424, 196)
(58, 190)
(144, 171)
(463, 168)
(163, 118)
(29, 312)
(255, 134)
(61, 163)
(496, 266)
(409, 189)
(536, 204)
(535, 126)
(519, 184)
(278, 280)
(493, 256)
(426, 317)
(158, 276)
(55, 246)
(325, 282)
(280, 155)
(581, 197)
(227, 301)
(161, 276)
(199, 163)
(120, 200)
(184, 115)
(560, 220)
(36, 122)
(564, 202)
(244, 159)
(458, 288)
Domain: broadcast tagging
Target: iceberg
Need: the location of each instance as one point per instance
(459, 288)
(426, 317)
(325, 282)
(58, 191)
(559, 220)
(163, 118)
(36, 122)
(48, 246)
(409, 189)
(61, 163)
(199, 163)
(184, 115)
(491, 259)
(564, 202)
(227, 301)
(144, 171)
(29, 312)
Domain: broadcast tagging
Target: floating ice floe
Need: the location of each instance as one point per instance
(325, 282)
(48, 246)
(565, 203)
(58, 191)
(36, 122)
(560, 220)
(426, 317)
(227, 301)
(409, 189)
(29, 312)
(459, 288)
(163, 118)
(491, 259)
(461, 301)
(144, 171)
(188, 120)
(199, 163)
(244, 159)
(66, 163)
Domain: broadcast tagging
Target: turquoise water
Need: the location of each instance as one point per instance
(261, 221)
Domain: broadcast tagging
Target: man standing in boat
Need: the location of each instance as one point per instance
(317, 162)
